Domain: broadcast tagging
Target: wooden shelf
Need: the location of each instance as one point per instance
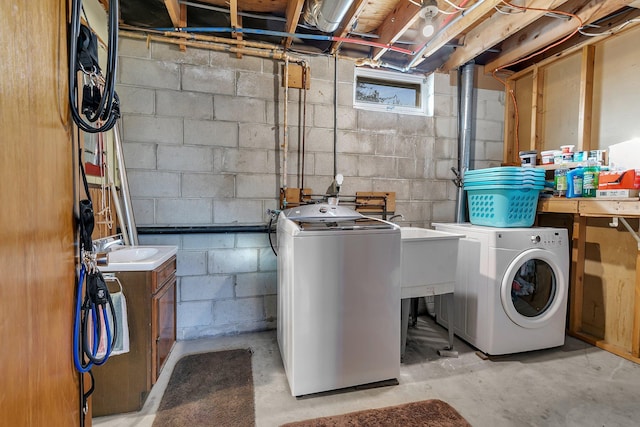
(553, 166)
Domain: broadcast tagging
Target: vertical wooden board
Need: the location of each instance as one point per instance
(561, 103)
(610, 269)
(535, 109)
(298, 76)
(39, 384)
(586, 99)
(635, 349)
(523, 91)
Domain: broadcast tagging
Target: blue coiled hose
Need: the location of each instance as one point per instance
(82, 347)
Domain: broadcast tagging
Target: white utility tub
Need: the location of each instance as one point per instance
(429, 261)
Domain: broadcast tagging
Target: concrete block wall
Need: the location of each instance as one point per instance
(202, 138)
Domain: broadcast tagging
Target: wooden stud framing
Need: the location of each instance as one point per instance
(457, 26)
(294, 7)
(509, 121)
(396, 23)
(543, 33)
(635, 340)
(347, 23)
(493, 31)
(586, 98)
(537, 110)
(576, 289)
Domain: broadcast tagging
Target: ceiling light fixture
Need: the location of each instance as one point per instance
(428, 11)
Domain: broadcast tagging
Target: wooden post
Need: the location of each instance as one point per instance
(576, 287)
(586, 98)
(635, 339)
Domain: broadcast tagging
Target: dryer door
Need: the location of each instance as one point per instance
(533, 289)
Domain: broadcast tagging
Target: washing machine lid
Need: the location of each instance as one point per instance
(326, 217)
(322, 212)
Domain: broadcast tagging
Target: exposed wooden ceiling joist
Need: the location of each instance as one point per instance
(260, 6)
(294, 7)
(542, 33)
(173, 7)
(493, 31)
(348, 21)
(457, 26)
(474, 29)
(401, 18)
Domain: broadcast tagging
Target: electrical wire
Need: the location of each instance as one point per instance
(455, 6)
(611, 31)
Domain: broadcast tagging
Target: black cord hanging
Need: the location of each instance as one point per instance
(83, 56)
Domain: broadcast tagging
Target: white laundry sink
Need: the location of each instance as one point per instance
(138, 258)
(429, 261)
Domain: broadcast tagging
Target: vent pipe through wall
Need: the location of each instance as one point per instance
(465, 122)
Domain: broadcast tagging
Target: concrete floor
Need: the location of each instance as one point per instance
(573, 385)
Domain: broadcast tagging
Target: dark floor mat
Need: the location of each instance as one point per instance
(209, 389)
(427, 413)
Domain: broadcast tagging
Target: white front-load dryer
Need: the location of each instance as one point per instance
(511, 288)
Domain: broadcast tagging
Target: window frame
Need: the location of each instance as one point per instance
(394, 78)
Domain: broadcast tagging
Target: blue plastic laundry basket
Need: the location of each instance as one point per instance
(502, 205)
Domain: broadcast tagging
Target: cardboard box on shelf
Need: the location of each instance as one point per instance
(619, 180)
(618, 194)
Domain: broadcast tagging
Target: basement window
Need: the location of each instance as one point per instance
(377, 90)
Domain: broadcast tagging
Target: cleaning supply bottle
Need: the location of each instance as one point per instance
(590, 179)
(560, 181)
(574, 182)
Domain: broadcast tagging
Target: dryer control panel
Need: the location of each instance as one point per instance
(521, 238)
(549, 239)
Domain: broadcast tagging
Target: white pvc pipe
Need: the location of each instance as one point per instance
(124, 188)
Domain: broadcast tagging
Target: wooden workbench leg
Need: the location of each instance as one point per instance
(635, 341)
(576, 285)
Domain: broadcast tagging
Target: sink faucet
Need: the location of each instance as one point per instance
(106, 247)
(107, 244)
(396, 216)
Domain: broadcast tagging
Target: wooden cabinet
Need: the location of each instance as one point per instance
(123, 383)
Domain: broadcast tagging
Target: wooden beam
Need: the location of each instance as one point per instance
(537, 110)
(257, 6)
(395, 24)
(294, 7)
(494, 30)
(576, 285)
(173, 7)
(458, 25)
(239, 36)
(509, 120)
(635, 338)
(347, 22)
(233, 13)
(586, 98)
(183, 23)
(541, 34)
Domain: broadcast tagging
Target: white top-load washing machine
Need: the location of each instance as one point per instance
(338, 298)
(511, 287)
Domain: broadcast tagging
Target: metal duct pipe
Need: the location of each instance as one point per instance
(326, 15)
(465, 98)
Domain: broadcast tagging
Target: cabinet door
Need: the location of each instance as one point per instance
(164, 325)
